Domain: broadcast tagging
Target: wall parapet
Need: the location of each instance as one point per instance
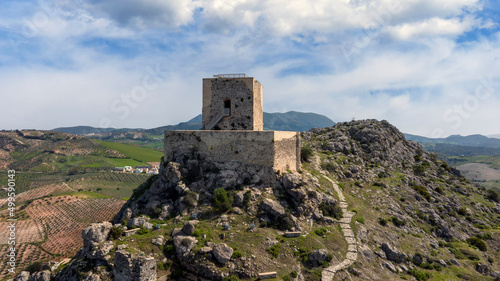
(275, 149)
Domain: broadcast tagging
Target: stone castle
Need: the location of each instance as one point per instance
(232, 129)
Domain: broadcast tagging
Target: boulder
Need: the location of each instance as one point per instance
(484, 269)
(92, 236)
(140, 221)
(392, 253)
(129, 267)
(222, 253)
(390, 266)
(92, 277)
(318, 256)
(159, 240)
(290, 180)
(189, 227)
(272, 207)
(23, 276)
(40, 276)
(183, 245)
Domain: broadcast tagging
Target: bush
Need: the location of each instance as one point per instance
(34, 267)
(143, 230)
(222, 202)
(294, 274)
(382, 221)
(360, 220)
(493, 195)
(328, 166)
(397, 222)
(420, 275)
(422, 191)
(231, 278)
(476, 242)
(247, 197)
(285, 223)
(462, 211)
(330, 210)
(287, 278)
(274, 250)
(237, 254)
(306, 153)
(115, 232)
(320, 231)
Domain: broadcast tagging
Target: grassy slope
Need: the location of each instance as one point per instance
(140, 154)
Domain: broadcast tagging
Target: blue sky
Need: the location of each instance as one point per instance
(429, 67)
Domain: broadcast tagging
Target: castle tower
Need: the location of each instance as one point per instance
(232, 102)
(232, 134)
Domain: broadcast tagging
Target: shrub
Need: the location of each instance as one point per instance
(328, 166)
(462, 211)
(422, 191)
(115, 232)
(237, 254)
(476, 242)
(306, 153)
(493, 195)
(274, 250)
(357, 183)
(382, 221)
(222, 201)
(439, 190)
(190, 199)
(287, 278)
(231, 278)
(320, 231)
(143, 230)
(294, 274)
(397, 222)
(34, 267)
(247, 197)
(330, 210)
(420, 275)
(360, 220)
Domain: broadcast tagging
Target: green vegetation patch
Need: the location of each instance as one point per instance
(135, 152)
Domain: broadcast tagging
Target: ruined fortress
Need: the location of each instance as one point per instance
(232, 129)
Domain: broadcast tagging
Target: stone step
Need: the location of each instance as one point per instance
(348, 232)
(351, 248)
(351, 240)
(345, 220)
(352, 256)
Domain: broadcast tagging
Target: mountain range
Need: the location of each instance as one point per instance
(288, 121)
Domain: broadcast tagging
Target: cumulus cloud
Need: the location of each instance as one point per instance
(146, 13)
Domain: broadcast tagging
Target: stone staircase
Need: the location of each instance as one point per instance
(345, 225)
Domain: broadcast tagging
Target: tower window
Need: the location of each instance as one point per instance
(227, 104)
(227, 108)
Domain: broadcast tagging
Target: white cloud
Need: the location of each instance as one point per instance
(434, 27)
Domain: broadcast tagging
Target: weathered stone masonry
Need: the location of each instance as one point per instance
(273, 149)
(233, 129)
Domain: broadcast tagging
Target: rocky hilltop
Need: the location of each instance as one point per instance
(367, 205)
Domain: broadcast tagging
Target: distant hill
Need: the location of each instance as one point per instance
(84, 130)
(295, 121)
(288, 121)
(472, 140)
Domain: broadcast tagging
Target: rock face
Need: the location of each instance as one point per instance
(318, 256)
(392, 253)
(183, 245)
(93, 236)
(128, 267)
(23, 276)
(222, 253)
(41, 276)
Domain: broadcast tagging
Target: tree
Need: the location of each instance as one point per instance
(221, 200)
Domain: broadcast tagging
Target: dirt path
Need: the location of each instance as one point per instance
(345, 225)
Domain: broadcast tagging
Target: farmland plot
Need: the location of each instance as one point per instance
(63, 219)
(26, 254)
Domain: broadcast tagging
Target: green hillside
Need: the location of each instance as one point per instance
(141, 154)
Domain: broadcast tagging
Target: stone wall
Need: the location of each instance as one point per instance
(277, 150)
(245, 98)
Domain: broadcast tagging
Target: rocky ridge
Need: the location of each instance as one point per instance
(412, 217)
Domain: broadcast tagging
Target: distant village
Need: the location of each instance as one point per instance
(150, 170)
